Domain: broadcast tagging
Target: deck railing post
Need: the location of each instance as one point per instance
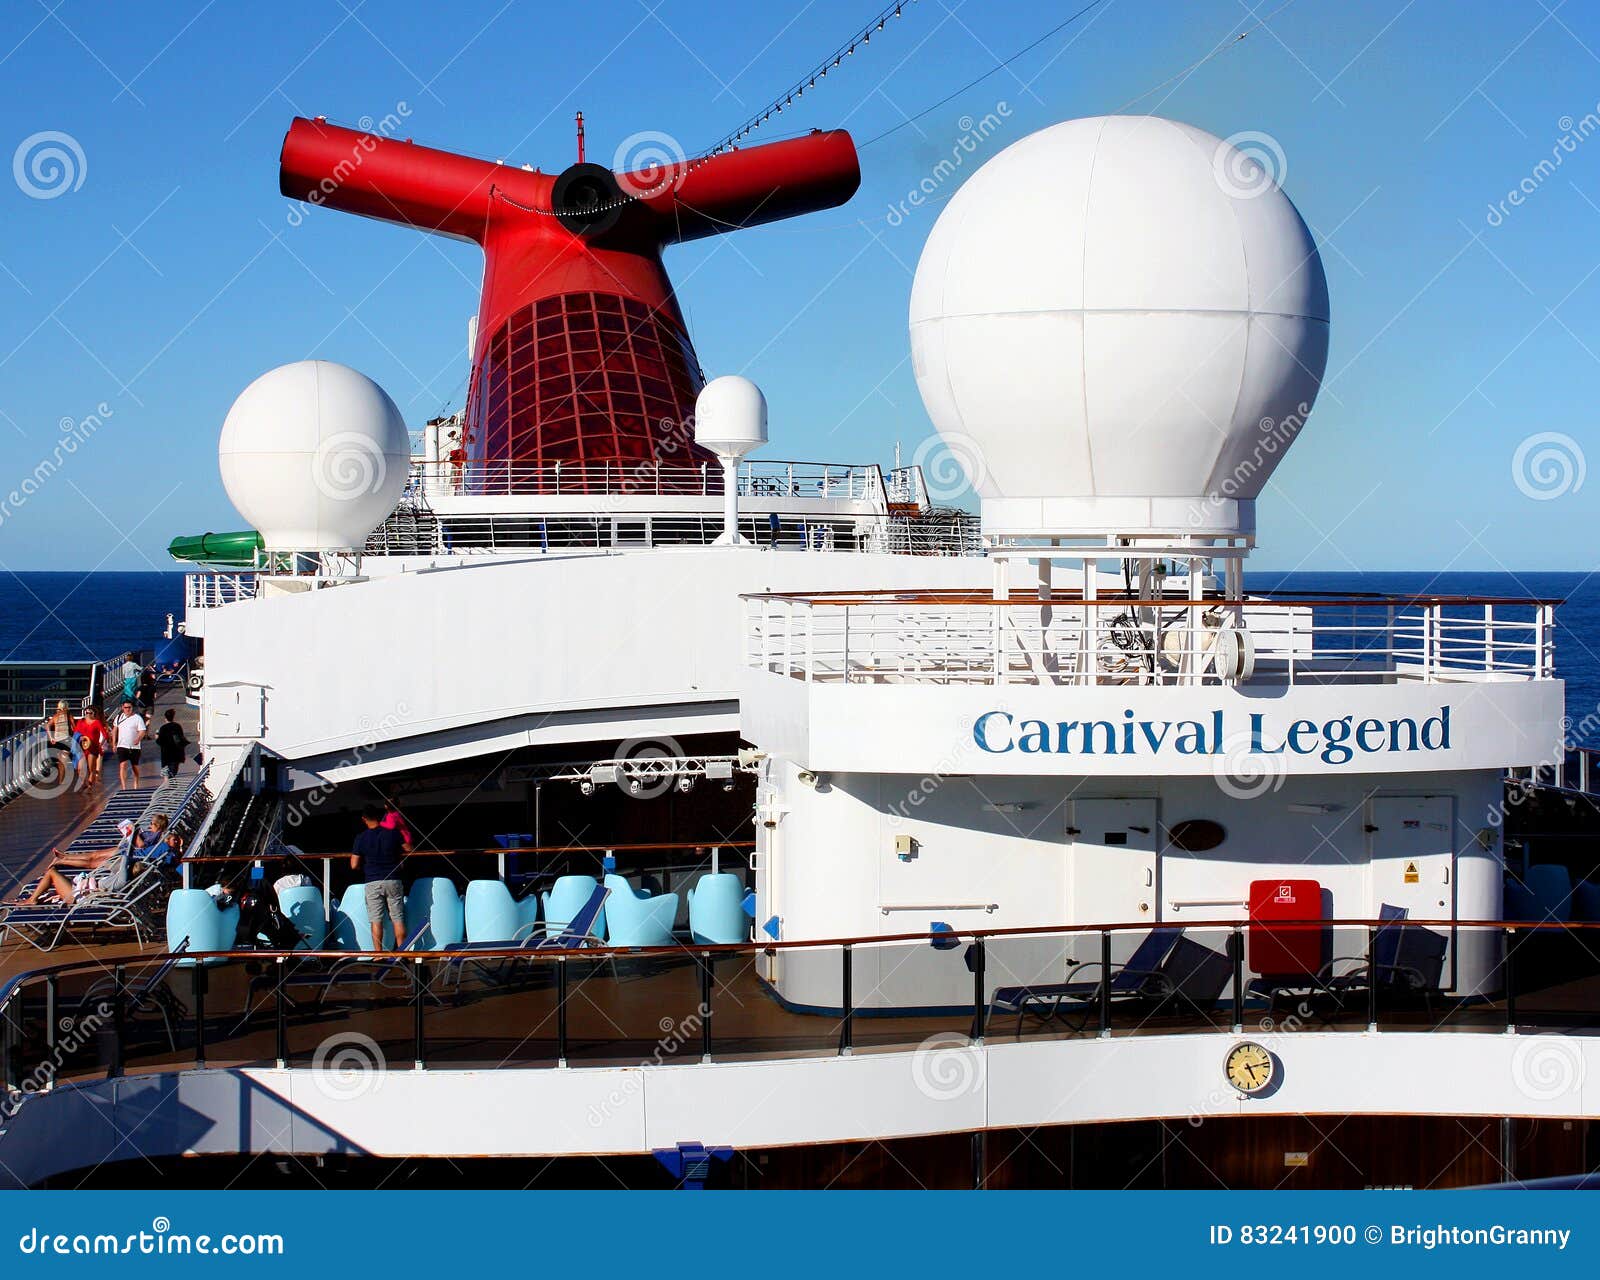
(1105, 982)
(419, 1029)
(52, 996)
(280, 1015)
(980, 1005)
(847, 1003)
(1372, 978)
(1236, 954)
(561, 1011)
(119, 991)
(199, 974)
(707, 982)
(1509, 970)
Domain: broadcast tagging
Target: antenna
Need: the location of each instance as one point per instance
(580, 137)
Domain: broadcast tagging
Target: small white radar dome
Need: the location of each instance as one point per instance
(730, 417)
(1120, 324)
(314, 455)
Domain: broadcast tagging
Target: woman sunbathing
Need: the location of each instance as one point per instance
(88, 863)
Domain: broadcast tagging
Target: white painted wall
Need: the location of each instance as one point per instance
(828, 866)
(424, 655)
(946, 1086)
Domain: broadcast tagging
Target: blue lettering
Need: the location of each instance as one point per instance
(1034, 739)
(1297, 730)
(1442, 723)
(980, 732)
(1257, 747)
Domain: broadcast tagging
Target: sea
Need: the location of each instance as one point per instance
(76, 616)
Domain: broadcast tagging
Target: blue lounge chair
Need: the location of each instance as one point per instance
(492, 915)
(563, 901)
(302, 907)
(352, 930)
(150, 994)
(435, 917)
(195, 923)
(716, 909)
(579, 932)
(1140, 974)
(638, 919)
(1407, 962)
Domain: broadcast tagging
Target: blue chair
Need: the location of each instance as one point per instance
(1586, 901)
(491, 914)
(435, 917)
(527, 915)
(1048, 1000)
(565, 899)
(352, 930)
(635, 919)
(302, 907)
(1520, 904)
(1551, 886)
(716, 909)
(195, 924)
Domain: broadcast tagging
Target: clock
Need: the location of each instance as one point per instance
(1249, 1068)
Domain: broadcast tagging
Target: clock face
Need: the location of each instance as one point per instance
(1249, 1067)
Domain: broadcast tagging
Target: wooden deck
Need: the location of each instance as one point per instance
(31, 826)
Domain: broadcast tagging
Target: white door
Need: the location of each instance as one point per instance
(1414, 863)
(1113, 867)
(1413, 856)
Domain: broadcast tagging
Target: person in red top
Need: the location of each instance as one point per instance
(91, 731)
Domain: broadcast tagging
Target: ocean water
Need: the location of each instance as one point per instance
(72, 616)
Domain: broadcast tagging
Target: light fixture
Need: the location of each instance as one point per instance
(806, 778)
(633, 786)
(685, 783)
(1313, 808)
(586, 787)
(604, 773)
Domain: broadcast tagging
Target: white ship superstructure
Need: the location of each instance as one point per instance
(1046, 819)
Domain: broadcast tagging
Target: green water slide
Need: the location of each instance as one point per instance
(232, 550)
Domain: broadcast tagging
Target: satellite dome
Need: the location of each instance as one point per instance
(315, 455)
(1119, 324)
(730, 416)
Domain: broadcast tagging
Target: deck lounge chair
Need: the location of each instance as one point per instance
(579, 932)
(151, 994)
(131, 905)
(1164, 966)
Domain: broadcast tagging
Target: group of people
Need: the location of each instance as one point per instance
(68, 877)
(81, 745)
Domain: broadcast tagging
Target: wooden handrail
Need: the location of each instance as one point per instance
(810, 944)
(653, 847)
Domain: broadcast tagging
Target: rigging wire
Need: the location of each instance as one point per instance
(999, 66)
(809, 80)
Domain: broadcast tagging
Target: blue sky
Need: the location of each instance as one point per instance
(1465, 332)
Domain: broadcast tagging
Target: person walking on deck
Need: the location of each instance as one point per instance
(147, 690)
(376, 854)
(172, 743)
(130, 730)
(60, 739)
(93, 738)
(130, 680)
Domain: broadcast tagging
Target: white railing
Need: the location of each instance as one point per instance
(955, 638)
(212, 590)
(756, 479)
(23, 757)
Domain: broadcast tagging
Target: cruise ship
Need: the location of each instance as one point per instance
(772, 824)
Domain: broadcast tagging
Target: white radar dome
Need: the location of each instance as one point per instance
(730, 416)
(1119, 323)
(314, 455)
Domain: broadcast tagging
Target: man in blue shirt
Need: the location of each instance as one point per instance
(376, 854)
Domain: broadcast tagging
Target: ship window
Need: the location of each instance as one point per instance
(1196, 835)
(1115, 837)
